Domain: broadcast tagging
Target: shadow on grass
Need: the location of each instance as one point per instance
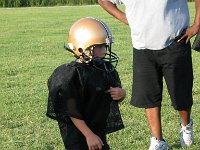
(175, 146)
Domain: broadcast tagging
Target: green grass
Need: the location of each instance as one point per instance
(31, 46)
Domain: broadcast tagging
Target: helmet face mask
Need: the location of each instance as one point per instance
(104, 63)
(87, 33)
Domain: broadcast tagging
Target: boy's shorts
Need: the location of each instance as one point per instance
(73, 139)
(174, 63)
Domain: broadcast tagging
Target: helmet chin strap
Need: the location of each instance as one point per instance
(85, 57)
(107, 70)
(70, 50)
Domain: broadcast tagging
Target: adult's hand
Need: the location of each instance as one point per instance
(189, 33)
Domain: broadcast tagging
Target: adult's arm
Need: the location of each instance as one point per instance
(93, 141)
(197, 15)
(113, 10)
(191, 31)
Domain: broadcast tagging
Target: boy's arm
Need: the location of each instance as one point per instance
(113, 10)
(93, 141)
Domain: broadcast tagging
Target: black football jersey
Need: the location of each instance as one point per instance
(79, 90)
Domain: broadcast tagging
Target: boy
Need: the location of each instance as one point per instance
(83, 95)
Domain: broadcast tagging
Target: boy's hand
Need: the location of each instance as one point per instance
(117, 93)
(94, 142)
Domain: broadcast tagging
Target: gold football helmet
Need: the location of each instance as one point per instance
(84, 34)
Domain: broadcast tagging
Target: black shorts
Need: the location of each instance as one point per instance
(82, 145)
(73, 139)
(174, 63)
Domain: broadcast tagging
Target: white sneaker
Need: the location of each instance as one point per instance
(158, 144)
(187, 134)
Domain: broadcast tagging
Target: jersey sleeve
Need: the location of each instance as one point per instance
(65, 98)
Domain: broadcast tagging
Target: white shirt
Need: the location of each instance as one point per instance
(155, 23)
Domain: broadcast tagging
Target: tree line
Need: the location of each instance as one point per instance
(30, 3)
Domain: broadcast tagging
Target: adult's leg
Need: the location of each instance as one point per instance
(185, 116)
(154, 119)
(186, 128)
(147, 92)
(178, 74)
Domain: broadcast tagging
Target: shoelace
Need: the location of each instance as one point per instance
(160, 144)
(186, 129)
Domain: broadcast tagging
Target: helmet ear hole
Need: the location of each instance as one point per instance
(80, 50)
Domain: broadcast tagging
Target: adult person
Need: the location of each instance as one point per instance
(160, 34)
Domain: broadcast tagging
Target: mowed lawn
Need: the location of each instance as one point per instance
(31, 46)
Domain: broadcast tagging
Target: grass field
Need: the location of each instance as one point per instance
(31, 46)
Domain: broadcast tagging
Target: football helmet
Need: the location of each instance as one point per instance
(84, 35)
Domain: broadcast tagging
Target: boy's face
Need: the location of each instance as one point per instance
(99, 51)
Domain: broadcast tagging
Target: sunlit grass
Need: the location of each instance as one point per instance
(31, 46)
